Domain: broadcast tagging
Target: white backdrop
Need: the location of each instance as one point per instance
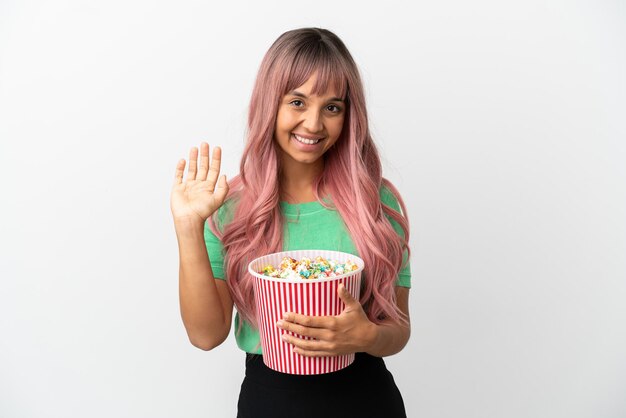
(501, 123)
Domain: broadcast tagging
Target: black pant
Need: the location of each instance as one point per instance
(364, 389)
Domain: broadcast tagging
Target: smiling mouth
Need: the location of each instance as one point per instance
(305, 140)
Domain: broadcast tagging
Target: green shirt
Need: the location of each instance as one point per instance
(307, 225)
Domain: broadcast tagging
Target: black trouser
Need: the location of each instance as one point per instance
(364, 389)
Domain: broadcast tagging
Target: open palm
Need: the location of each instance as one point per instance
(200, 194)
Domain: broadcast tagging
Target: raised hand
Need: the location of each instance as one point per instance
(200, 194)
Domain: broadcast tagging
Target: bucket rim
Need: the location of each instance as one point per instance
(356, 259)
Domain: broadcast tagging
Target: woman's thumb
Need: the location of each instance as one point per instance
(222, 187)
(344, 295)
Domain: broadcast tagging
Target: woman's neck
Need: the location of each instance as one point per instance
(297, 182)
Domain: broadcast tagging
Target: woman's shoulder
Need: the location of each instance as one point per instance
(389, 195)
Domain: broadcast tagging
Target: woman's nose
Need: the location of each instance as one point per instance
(312, 121)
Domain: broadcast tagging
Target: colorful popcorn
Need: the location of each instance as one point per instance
(305, 268)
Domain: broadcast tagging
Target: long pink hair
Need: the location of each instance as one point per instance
(352, 173)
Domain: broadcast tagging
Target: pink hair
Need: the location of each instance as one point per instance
(352, 173)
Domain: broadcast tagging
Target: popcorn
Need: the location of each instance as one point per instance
(305, 268)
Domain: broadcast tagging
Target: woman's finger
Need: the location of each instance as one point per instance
(214, 170)
(204, 162)
(305, 331)
(222, 189)
(180, 169)
(308, 353)
(329, 322)
(193, 164)
(317, 333)
(309, 345)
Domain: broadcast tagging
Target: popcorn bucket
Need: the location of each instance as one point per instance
(312, 297)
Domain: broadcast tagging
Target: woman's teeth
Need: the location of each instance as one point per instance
(306, 141)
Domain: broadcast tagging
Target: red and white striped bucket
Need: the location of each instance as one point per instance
(312, 297)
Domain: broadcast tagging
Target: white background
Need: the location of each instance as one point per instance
(501, 123)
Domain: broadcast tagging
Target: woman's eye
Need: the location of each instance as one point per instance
(295, 102)
(334, 109)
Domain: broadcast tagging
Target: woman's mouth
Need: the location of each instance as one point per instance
(305, 141)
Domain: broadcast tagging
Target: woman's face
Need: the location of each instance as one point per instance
(308, 125)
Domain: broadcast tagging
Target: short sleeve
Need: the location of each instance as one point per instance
(386, 197)
(215, 250)
(214, 246)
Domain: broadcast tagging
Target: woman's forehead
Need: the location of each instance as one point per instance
(328, 87)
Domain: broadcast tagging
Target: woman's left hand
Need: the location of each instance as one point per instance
(347, 333)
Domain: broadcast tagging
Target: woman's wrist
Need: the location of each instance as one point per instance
(388, 338)
(372, 337)
(189, 222)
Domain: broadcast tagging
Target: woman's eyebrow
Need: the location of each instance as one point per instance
(298, 94)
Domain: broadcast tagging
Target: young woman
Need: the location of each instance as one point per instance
(310, 177)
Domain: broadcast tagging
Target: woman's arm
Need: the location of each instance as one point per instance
(206, 306)
(205, 303)
(391, 337)
(349, 332)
